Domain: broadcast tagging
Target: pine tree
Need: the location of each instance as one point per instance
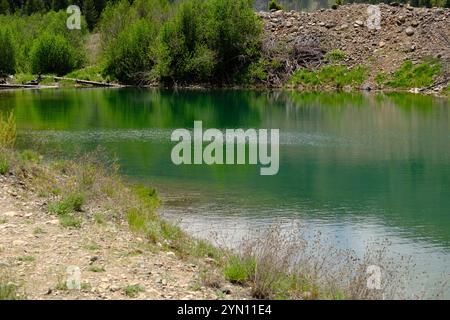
(90, 13)
(59, 4)
(4, 7)
(447, 4)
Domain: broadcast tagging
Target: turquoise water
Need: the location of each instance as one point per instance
(358, 168)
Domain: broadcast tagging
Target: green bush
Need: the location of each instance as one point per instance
(201, 41)
(129, 59)
(274, 5)
(52, 54)
(240, 270)
(7, 54)
(183, 54)
(24, 31)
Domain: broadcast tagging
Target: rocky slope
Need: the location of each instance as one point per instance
(405, 33)
(35, 251)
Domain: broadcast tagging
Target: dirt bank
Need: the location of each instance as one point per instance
(405, 33)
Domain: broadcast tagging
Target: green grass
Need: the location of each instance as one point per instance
(9, 291)
(96, 269)
(30, 156)
(4, 165)
(26, 258)
(330, 76)
(69, 221)
(91, 73)
(132, 290)
(93, 247)
(3, 220)
(38, 231)
(239, 270)
(335, 55)
(71, 203)
(411, 75)
(8, 131)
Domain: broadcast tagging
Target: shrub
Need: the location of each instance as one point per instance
(240, 269)
(128, 58)
(52, 54)
(8, 131)
(7, 54)
(234, 34)
(274, 5)
(183, 54)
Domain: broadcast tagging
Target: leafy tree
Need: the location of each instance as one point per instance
(7, 54)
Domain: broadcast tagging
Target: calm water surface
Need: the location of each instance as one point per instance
(357, 168)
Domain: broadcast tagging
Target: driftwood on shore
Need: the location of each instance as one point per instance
(87, 82)
(22, 86)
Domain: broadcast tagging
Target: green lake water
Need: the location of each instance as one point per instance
(358, 168)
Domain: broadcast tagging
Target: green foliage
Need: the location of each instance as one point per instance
(69, 221)
(52, 54)
(7, 54)
(335, 55)
(129, 58)
(4, 164)
(334, 76)
(274, 5)
(132, 290)
(25, 31)
(8, 131)
(183, 54)
(239, 270)
(8, 291)
(201, 41)
(71, 203)
(339, 2)
(411, 75)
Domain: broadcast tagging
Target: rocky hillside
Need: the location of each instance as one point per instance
(405, 33)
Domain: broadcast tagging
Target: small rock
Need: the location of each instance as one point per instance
(19, 243)
(359, 23)
(415, 23)
(171, 254)
(409, 31)
(381, 44)
(10, 214)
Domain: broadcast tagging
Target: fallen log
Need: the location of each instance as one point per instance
(87, 82)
